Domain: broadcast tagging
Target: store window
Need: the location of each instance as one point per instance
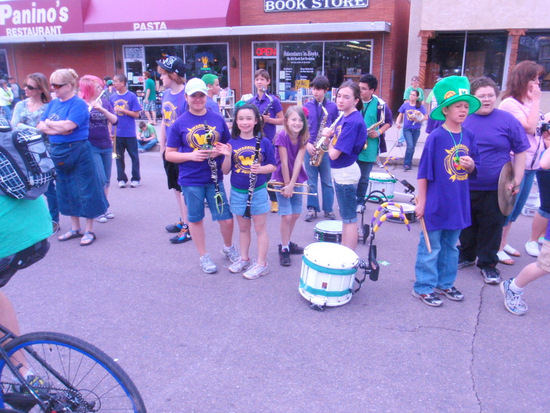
(156, 53)
(301, 62)
(466, 54)
(3, 64)
(536, 47)
(201, 59)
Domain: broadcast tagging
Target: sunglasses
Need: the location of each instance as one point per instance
(57, 86)
(29, 87)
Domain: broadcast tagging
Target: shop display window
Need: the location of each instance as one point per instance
(299, 64)
(347, 60)
(536, 47)
(201, 59)
(466, 54)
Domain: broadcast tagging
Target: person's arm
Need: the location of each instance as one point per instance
(227, 151)
(132, 113)
(298, 162)
(162, 137)
(147, 92)
(519, 170)
(56, 127)
(111, 117)
(399, 121)
(545, 160)
(278, 120)
(16, 116)
(173, 155)
(421, 197)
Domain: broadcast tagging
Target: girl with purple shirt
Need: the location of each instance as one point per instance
(412, 113)
(348, 140)
(290, 149)
(101, 117)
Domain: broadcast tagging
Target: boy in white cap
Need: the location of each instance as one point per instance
(446, 164)
(191, 143)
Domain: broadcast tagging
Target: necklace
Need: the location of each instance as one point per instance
(456, 158)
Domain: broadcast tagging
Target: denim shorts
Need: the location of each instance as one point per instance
(258, 206)
(347, 197)
(194, 199)
(288, 206)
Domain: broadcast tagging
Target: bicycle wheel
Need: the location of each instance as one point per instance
(74, 376)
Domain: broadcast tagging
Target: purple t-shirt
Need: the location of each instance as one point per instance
(99, 127)
(497, 134)
(276, 107)
(188, 134)
(282, 139)
(316, 115)
(241, 160)
(172, 107)
(73, 109)
(126, 126)
(448, 193)
(409, 113)
(349, 137)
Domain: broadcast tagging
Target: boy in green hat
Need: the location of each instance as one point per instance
(446, 163)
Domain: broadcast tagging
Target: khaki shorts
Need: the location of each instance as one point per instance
(543, 262)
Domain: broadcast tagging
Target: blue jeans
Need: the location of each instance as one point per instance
(411, 137)
(129, 143)
(195, 197)
(103, 160)
(51, 197)
(363, 184)
(438, 268)
(148, 145)
(322, 171)
(524, 190)
(346, 194)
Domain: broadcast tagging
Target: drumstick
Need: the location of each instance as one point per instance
(425, 232)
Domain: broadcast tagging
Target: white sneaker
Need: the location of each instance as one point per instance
(134, 184)
(207, 264)
(121, 184)
(102, 218)
(109, 215)
(532, 248)
(239, 266)
(231, 253)
(256, 271)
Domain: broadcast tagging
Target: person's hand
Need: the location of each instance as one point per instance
(96, 104)
(419, 209)
(287, 191)
(310, 149)
(533, 90)
(327, 132)
(255, 168)
(513, 187)
(200, 155)
(546, 138)
(374, 134)
(467, 163)
(224, 149)
(267, 119)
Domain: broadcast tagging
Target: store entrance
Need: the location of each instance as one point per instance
(271, 66)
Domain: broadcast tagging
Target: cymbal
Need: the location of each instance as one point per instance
(506, 200)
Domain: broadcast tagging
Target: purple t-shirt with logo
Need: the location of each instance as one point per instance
(282, 139)
(99, 126)
(316, 114)
(448, 193)
(126, 126)
(172, 107)
(241, 160)
(276, 107)
(188, 133)
(349, 137)
(409, 112)
(497, 134)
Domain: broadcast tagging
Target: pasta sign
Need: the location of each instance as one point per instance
(271, 6)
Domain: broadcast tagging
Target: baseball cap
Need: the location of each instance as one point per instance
(109, 82)
(172, 64)
(195, 85)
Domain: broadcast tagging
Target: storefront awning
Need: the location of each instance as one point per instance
(342, 27)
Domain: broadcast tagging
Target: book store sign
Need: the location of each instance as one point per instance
(271, 6)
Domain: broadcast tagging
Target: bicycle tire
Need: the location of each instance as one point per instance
(78, 377)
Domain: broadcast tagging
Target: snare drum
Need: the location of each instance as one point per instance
(379, 181)
(408, 211)
(328, 231)
(328, 273)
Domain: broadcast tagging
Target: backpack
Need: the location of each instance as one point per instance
(26, 168)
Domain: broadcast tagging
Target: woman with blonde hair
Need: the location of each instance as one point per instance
(79, 190)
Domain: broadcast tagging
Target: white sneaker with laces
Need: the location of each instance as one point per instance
(121, 184)
(532, 248)
(208, 265)
(102, 218)
(239, 265)
(231, 253)
(134, 184)
(256, 271)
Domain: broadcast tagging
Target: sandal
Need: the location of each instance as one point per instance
(87, 239)
(511, 251)
(70, 235)
(505, 258)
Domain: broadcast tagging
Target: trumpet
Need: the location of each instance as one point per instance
(272, 184)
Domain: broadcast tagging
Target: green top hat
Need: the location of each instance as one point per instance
(450, 90)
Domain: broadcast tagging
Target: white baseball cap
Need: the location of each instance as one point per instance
(195, 85)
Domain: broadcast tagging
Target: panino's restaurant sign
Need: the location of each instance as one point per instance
(40, 18)
(271, 6)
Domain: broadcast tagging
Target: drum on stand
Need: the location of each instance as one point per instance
(408, 211)
(328, 231)
(328, 274)
(379, 181)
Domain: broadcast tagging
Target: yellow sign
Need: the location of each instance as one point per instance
(302, 84)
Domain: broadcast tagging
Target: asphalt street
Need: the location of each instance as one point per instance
(220, 343)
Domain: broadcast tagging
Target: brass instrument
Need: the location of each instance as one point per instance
(271, 184)
(320, 146)
(316, 159)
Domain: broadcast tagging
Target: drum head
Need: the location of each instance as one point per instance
(329, 227)
(381, 177)
(329, 255)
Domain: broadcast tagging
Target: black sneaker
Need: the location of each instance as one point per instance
(174, 228)
(491, 275)
(431, 299)
(451, 293)
(284, 256)
(463, 263)
(183, 236)
(295, 249)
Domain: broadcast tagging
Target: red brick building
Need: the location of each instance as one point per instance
(295, 40)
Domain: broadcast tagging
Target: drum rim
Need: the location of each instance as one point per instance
(328, 270)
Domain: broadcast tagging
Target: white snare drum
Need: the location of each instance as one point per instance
(328, 231)
(408, 211)
(328, 273)
(382, 182)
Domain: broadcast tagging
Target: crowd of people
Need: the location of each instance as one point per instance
(90, 121)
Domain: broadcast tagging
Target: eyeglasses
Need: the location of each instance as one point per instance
(29, 87)
(57, 86)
